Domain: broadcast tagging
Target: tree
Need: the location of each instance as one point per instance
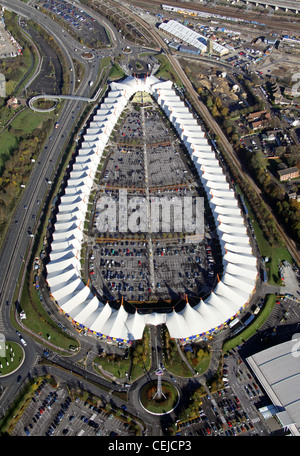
(224, 111)
(214, 111)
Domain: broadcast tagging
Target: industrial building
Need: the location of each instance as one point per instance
(189, 50)
(186, 35)
(278, 369)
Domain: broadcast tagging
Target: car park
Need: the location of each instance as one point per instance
(116, 260)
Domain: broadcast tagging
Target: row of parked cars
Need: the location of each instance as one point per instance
(40, 410)
(59, 416)
(91, 423)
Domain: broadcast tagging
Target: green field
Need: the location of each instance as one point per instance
(255, 325)
(28, 120)
(25, 123)
(274, 254)
(117, 367)
(116, 72)
(166, 71)
(8, 143)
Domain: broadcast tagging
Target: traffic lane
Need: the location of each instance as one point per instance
(50, 25)
(16, 234)
(17, 241)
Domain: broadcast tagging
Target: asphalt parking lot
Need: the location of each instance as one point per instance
(164, 154)
(93, 33)
(52, 411)
(232, 411)
(220, 414)
(146, 159)
(122, 269)
(50, 78)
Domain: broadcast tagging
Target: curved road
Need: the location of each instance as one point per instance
(18, 243)
(62, 97)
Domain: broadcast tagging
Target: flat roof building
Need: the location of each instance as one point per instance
(192, 38)
(278, 371)
(189, 49)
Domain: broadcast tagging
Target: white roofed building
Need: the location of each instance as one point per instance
(76, 299)
(195, 39)
(278, 370)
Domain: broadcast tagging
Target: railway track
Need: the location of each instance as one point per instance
(274, 22)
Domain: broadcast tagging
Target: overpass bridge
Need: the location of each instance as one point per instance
(59, 97)
(293, 6)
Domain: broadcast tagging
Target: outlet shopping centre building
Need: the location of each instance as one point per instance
(75, 298)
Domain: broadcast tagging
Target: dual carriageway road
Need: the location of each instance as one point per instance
(17, 243)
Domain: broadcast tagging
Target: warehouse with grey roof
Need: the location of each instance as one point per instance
(278, 370)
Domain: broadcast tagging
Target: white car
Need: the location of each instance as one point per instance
(23, 341)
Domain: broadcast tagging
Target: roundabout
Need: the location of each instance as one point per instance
(11, 358)
(159, 398)
(127, 50)
(88, 55)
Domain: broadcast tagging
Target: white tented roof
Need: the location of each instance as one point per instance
(63, 270)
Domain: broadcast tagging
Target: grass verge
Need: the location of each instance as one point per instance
(251, 329)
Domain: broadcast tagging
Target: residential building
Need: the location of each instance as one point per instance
(288, 173)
